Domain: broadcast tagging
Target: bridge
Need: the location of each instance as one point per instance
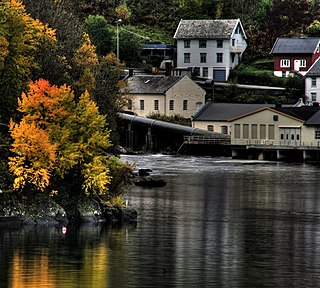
(140, 133)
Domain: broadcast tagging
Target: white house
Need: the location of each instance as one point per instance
(312, 83)
(211, 48)
(164, 95)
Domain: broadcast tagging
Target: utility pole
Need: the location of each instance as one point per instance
(118, 22)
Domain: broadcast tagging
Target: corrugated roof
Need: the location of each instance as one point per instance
(206, 29)
(295, 46)
(151, 84)
(225, 111)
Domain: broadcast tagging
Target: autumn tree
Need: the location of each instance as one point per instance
(60, 141)
(20, 37)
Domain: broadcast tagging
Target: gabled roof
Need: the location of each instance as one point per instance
(225, 111)
(151, 84)
(302, 114)
(314, 69)
(295, 46)
(207, 29)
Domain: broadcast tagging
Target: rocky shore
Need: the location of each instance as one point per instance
(40, 209)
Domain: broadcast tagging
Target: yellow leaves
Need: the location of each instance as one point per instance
(85, 56)
(55, 135)
(35, 155)
(96, 175)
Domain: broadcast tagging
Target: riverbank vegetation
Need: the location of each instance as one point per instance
(58, 105)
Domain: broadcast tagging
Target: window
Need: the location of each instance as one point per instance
(141, 104)
(271, 132)
(317, 134)
(237, 131)
(186, 43)
(219, 57)
(313, 82)
(198, 106)
(129, 104)
(313, 96)
(254, 131)
(171, 105)
(263, 131)
(210, 128)
(245, 128)
(275, 117)
(284, 63)
(238, 30)
(202, 43)
(156, 104)
(205, 72)
(224, 129)
(186, 57)
(219, 43)
(185, 105)
(303, 63)
(233, 42)
(203, 57)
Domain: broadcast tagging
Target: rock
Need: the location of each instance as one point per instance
(89, 211)
(150, 182)
(144, 172)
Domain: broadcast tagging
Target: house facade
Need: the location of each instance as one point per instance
(294, 55)
(210, 48)
(312, 84)
(164, 95)
(215, 116)
(282, 126)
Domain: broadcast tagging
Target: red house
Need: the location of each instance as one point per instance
(294, 55)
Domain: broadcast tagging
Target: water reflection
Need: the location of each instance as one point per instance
(46, 257)
(217, 223)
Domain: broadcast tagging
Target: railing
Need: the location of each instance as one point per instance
(237, 49)
(206, 140)
(273, 144)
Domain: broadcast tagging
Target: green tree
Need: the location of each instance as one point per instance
(100, 35)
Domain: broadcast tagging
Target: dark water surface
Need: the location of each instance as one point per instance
(217, 223)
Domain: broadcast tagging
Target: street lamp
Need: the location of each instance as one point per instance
(118, 22)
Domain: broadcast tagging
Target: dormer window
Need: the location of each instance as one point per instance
(202, 43)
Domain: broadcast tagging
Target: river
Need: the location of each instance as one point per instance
(217, 223)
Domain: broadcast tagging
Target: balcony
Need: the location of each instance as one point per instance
(237, 49)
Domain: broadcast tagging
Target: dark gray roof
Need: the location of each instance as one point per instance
(225, 111)
(295, 46)
(206, 29)
(314, 70)
(314, 120)
(304, 113)
(151, 84)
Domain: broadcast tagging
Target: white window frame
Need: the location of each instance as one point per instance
(187, 58)
(303, 63)
(285, 63)
(313, 82)
(313, 96)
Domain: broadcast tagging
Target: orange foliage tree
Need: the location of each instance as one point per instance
(57, 136)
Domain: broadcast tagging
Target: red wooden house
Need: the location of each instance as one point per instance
(294, 55)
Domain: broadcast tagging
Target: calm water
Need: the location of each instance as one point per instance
(217, 223)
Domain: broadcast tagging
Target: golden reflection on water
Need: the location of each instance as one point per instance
(36, 272)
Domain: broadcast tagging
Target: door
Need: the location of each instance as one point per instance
(219, 75)
(296, 65)
(290, 136)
